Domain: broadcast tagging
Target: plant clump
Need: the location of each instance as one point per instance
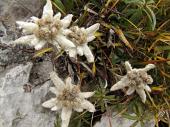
(135, 80)
(68, 98)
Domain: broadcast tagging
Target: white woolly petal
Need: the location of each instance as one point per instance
(88, 106)
(24, 39)
(57, 16)
(142, 94)
(149, 67)
(65, 123)
(55, 108)
(50, 103)
(66, 114)
(147, 88)
(78, 109)
(53, 90)
(55, 43)
(80, 50)
(39, 45)
(121, 84)
(64, 42)
(90, 38)
(66, 31)
(56, 80)
(68, 82)
(88, 53)
(34, 41)
(67, 20)
(47, 10)
(86, 94)
(72, 53)
(141, 86)
(83, 29)
(34, 19)
(92, 29)
(150, 80)
(130, 90)
(128, 66)
(28, 27)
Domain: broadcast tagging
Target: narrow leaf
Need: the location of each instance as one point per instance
(42, 52)
(122, 37)
(59, 5)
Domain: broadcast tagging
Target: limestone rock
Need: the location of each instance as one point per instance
(115, 120)
(13, 10)
(40, 72)
(21, 108)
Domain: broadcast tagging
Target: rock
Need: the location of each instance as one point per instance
(13, 10)
(115, 120)
(15, 77)
(10, 12)
(21, 108)
(9, 56)
(40, 72)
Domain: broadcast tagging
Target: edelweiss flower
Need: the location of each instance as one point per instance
(136, 80)
(47, 29)
(68, 98)
(80, 37)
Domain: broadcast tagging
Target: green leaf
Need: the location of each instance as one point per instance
(150, 1)
(151, 16)
(58, 121)
(130, 12)
(136, 17)
(59, 5)
(134, 124)
(134, 1)
(76, 123)
(96, 3)
(69, 4)
(162, 48)
(168, 58)
(130, 117)
(139, 109)
(41, 52)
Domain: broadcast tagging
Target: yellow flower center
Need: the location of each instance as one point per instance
(77, 35)
(69, 98)
(139, 77)
(47, 29)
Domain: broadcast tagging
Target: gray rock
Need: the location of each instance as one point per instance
(9, 56)
(14, 78)
(13, 10)
(21, 108)
(115, 120)
(40, 72)
(10, 12)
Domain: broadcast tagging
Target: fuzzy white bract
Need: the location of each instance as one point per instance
(47, 29)
(80, 37)
(68, 98)
(135, 80)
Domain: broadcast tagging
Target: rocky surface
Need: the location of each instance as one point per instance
(21, 95)
(12, 10)
(115, 120)
(40, 72)
(20, 106)
(18, 54)
(23, 87)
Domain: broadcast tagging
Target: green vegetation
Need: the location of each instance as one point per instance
(137, 31)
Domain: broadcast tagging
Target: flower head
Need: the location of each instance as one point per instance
(47, 29)
(135, 80)
(68, 98)
(80, 37)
